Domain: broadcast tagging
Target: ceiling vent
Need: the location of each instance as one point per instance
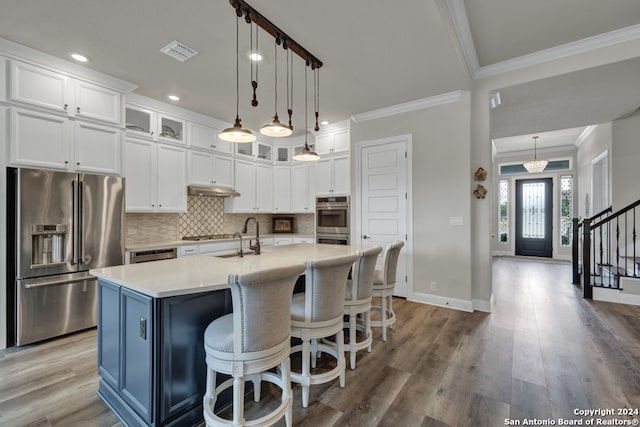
(179, 51)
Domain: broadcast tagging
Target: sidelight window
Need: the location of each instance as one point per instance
(503, 209)
(566, 209)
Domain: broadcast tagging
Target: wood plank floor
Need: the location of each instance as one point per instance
(542, 353)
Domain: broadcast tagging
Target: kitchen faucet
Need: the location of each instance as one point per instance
(239, 251)
(255, 248)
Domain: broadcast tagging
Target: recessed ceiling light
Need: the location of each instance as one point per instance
(79, 57)
(324, 122)
(173, 97)
(255, 56)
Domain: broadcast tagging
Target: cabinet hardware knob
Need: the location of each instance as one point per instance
(77, 109)
(153, 206)
(151, 133)
(365, 237)
(66, 162)
(78, 163)
(66, 106)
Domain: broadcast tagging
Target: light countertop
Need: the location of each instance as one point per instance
(195, 274)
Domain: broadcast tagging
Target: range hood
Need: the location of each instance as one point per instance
(215, 191)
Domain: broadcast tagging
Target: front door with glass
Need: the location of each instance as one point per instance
(534, 217)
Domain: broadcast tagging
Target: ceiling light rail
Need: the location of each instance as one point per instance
(252, 15)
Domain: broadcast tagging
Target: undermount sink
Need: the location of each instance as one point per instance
(236, 255)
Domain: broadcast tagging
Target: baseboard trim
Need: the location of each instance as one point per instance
(615, 295)
(454, 303)
(484, 305)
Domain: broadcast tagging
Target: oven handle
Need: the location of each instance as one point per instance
(333, 206)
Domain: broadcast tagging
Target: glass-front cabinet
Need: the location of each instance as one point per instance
(140, 121)
(263, 151)
(171, 129)
(281, 155)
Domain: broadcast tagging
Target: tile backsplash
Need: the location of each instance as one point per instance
(205, 215)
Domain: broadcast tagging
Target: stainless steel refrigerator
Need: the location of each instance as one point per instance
(64, 224)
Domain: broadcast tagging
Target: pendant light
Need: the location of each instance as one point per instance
(237, 133)
(306, 155)
(275, 128)
(535, 165)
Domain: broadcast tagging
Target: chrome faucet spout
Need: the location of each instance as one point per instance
(256, 247)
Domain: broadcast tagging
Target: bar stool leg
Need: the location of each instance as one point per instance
(367, 327)
(341, 358)
(210, 395)
(314, 352)
(304, 375)
(352, 341)
(285, 370)
(238, 401)
(383, 317)
(257, 382)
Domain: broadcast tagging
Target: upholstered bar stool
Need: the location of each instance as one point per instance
(357, 302)
(383, 285)
(317, 313)
(248, 342)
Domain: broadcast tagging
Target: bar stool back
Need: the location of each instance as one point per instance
(250, 341)
(358, 301)
(317, 313)
(383, 285)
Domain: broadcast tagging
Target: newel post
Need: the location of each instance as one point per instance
(575, 251)
(587, 291)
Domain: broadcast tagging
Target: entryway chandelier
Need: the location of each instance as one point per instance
(535, 165)
(274, 128)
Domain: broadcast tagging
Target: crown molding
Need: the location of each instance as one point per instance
(529, 152)
(463, 30)
(418, 104)
(585, 134)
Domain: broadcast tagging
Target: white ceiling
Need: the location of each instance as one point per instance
(375, 54)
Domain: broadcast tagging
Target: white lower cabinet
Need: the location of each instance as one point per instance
(156, 177)
(54, 142)
(333, 175)
(302, 189)
(304, 240)
(207, 169)
(254, 182)
(279, 241)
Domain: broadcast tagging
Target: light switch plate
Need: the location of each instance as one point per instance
(456, 220)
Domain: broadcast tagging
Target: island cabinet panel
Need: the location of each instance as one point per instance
(151, 356)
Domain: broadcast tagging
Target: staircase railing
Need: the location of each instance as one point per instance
(609, 249)
(575, 253)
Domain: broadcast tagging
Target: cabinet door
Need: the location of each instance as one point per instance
(97, 148)
(41, 140)
(323, 174)
(220, 146)
(264, 188)
(245, 182)
(136, 352)
(281, 155)
(40, 87)
(282, 189)
(201, 136)
(223, 171)
(263, 151)
(140, 121)
(324, 144)
(341, 141)
(300, 191)
(140, 173)
(171, 129)
(172, 178)
(341, 174)
(97, 102)
(279, 241)
(200, 168)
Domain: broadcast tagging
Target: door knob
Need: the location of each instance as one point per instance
(365, 237)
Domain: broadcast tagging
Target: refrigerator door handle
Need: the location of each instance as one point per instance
(81, 223)
(56, 282)
(74, 228)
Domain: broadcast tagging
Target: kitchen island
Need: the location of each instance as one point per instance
(151, 323)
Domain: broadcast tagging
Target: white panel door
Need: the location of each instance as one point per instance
(383, 200)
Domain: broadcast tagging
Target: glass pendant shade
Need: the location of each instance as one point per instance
(534, 166)
(237, 133)
(276, 129)
(306, 155)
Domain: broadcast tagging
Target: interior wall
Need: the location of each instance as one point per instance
(482, 214)
(593, 146)
(441, 188)
(625, 162)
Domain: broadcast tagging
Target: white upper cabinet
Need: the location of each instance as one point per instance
(263, 151)
(201, 136)
(54, 142)
(254, 182)
(332, 143)
(223, 171)
(220, 146)
(282, 189)
(140, 121)
(43, 88)
(302, 188)
(156, 177)
(333, 175)
(281, 155)
(171, 129)
(207, 169)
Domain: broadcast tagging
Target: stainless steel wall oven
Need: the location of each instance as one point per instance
(332, 220)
